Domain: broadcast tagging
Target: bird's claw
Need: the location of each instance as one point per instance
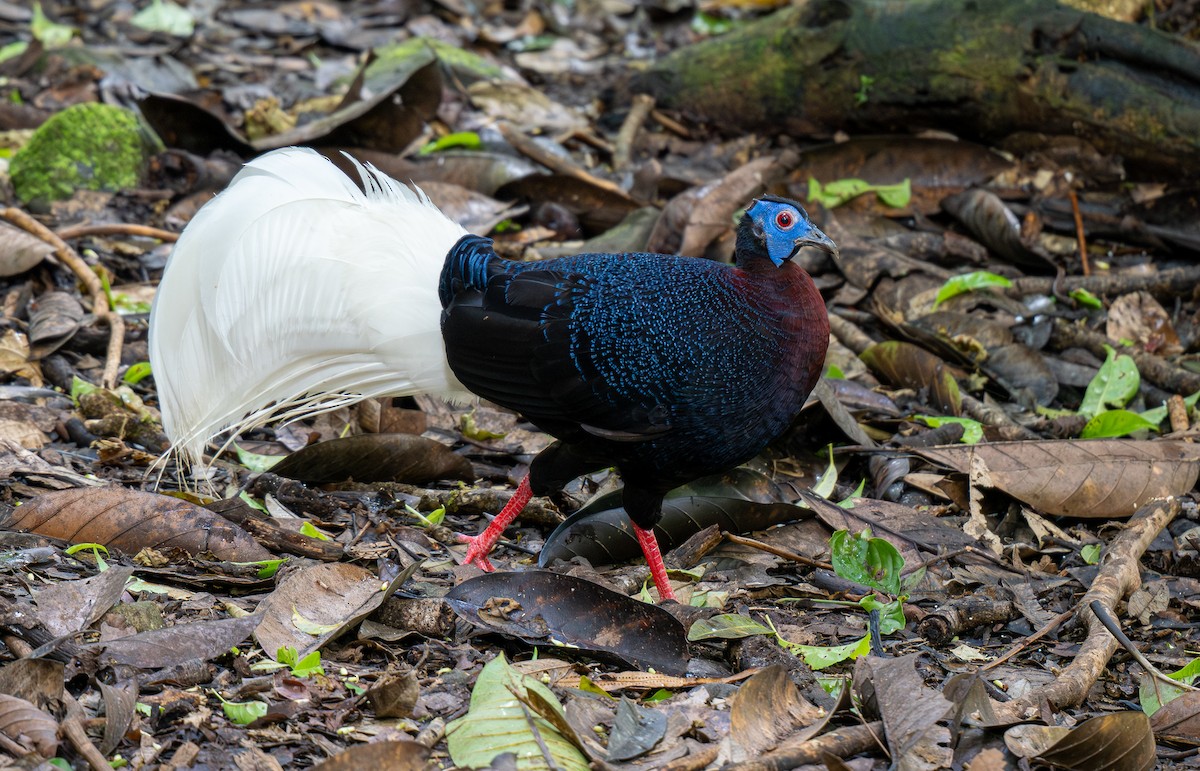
(477, 552)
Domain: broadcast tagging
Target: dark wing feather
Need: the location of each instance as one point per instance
(519, 343)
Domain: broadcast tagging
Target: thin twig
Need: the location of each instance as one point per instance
(90, 281)
(565, 166)
(1083, 255)
(778, 552)
(627, 136)
(117, 229)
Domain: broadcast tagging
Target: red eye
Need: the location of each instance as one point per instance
(784, 219)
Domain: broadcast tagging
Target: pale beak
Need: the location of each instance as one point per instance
(817, 240)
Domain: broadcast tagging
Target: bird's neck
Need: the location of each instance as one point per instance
(796, 312)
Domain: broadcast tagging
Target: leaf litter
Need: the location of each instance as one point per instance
(174, 609)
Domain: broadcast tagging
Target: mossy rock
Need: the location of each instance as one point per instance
(84, 147)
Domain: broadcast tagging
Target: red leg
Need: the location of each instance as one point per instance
(481, 545)
(654, 560)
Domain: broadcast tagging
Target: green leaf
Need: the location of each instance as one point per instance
(822, 656)
(252, 502)
(840, 191)
(709, 25)
(869, 561)
(467, 140)
(310, 531)
(499, 720)
(137, 372)
(1115, 423)
(968, 282)
(891, 614)
(896, 196)
(243, 712)
(1114, 385)
(49, 33)
(1086, 298)
(972, 429)
(306, 667)
(835, 372)
(848, 503)
(1159, 414)
(79, 387)
(728, 626)
(1091, 553)
(165, 17)
(254, 461)
(13, 50)
(824, 486)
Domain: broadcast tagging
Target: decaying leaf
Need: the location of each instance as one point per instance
(767, 709)
(131, 521)
(26, 727)
(375, 458)
(909, 366)
(548, 608)
(1080, 478)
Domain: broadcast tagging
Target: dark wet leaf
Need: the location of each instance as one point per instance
(185, 124)
(601, 531)
(375, 458)
(598, 209)
(1077, 478)
(476, 212)
(481, 171)
(543, 608)
(130, 520)
(635, 731)
(993, 223)
(53, 319)
(1022, 370)
(908, 366)
(1120, 741)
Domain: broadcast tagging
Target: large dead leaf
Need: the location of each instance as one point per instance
(542, 608)
(70, 606)
(1079, 478)
(1121, 741)
(315, 604)
(375, 458)
(767, 709)
(402, 755)
(177, 644)
(130, 520)
(909, 366)
(27, 728)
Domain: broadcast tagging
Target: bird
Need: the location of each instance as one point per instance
(296, 290)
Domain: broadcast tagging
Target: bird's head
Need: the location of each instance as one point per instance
(776, 228)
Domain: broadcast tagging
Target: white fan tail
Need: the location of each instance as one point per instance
(294, 292)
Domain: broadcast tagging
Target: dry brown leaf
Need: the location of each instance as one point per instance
(1179, 717)
(375, 458)
(1079, 478)
(767, 710)
(1137, 316)
(393, 755)
(324, 599)
(130, 520)
(27, 727)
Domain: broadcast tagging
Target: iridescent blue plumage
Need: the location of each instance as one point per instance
(667, 367)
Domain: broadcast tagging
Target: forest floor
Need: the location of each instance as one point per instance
(996, 476)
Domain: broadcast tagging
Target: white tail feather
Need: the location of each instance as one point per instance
(294, 292)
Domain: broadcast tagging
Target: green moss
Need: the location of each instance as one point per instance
(84, 147)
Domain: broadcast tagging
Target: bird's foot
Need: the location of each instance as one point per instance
(480, 546)
(478, 549)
